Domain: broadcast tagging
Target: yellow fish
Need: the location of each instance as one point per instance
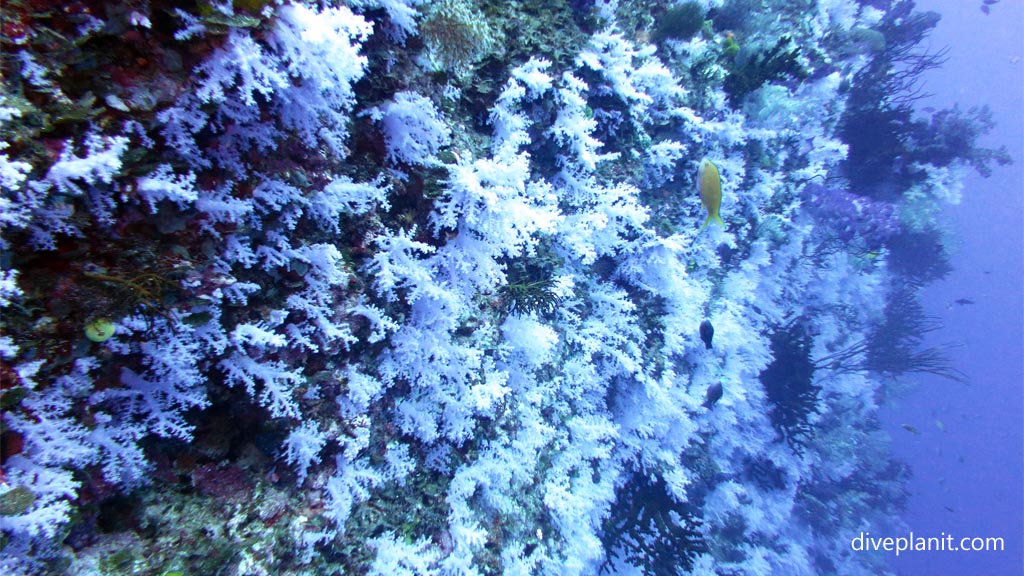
(710, 186)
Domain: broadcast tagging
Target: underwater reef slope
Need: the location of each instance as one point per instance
(398, 287)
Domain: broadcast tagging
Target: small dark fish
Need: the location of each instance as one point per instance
(707, 332)
(948, 509)
(963, 301)
(990, 2)
(985, 9)
(713, 395)
(911, 429)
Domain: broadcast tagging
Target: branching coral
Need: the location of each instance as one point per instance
(650, 530)
(526, 297)
(779, 62)
(879, 106)
(885, 140)
(789, 384)
(951, 135)
(146, 288)
(872, 490)
(457, 35)
(918, 257)
(530, 289)
(680, 22)
(850, 216)
(893, 347)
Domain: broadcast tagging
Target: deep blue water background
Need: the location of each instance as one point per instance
(969, 476)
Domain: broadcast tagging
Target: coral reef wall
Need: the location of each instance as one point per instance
(397, 287)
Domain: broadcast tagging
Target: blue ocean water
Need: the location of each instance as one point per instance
(968, 460)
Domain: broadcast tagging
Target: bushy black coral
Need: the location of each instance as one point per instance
(918, 258)
(651, 530)
(894, 347)
(777, 63)
(789, 383)
(680, 22)
(885, 141)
